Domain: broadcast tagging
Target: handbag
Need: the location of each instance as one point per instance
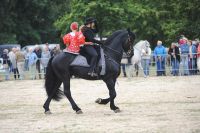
(124, 61)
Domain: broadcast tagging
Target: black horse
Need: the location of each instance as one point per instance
(59, 71)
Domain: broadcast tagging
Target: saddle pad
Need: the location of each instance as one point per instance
(80, 61)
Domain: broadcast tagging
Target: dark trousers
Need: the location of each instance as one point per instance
(38, 68)
(16, 73)
(90, 50)
(124, 69)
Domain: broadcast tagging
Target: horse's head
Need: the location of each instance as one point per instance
(128, 45)
(142, 45)
(147, 44)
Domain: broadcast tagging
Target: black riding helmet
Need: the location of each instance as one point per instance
(89, 20)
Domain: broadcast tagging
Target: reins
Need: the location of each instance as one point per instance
(117, 52)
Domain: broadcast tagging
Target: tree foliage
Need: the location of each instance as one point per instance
(151, 20)
(35, 21)
(29, 21)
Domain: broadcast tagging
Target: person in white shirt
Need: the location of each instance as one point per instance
(146, 57)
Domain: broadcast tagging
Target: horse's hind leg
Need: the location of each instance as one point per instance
(102, 101)
(67, 93)
(47, 102)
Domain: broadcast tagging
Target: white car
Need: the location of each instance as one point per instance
(1, 66)
(42, 46)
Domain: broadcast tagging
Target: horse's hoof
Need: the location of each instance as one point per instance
(79, 112)
(98, 100)
(48, 112)
(117, 110)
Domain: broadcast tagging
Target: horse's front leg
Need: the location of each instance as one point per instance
(111, 87)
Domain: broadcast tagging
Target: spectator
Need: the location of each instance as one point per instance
(32, 59)
(192, 57)
(6, 64)
(45, 58)
(47, 46)
(26, 59)
(124, 62)
(175, 58)
(160, 55)
(56, 50)
(146, 56)
(195, 43)
(12, 58)
(38, 52)
(184, 56)
(198, 56)
(20, 58)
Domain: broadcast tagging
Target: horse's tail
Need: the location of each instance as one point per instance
(52, 83)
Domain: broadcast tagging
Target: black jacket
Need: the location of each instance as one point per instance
(6, 59)
(90, 34)
(177, 53)
(38, 53)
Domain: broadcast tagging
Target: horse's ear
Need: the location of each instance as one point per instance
(129, 31)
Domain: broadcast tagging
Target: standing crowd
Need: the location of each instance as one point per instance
(32, 61)
(183, 57)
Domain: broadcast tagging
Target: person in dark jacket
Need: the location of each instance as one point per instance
(175, 58)
(38, 52)
(89, 31)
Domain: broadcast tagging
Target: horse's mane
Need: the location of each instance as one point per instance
(110, 39)
(141, 42)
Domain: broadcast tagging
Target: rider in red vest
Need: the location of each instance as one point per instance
(74, 39)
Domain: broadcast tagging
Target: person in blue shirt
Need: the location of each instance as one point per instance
(32, 59)
(160, 54)
(184, 47)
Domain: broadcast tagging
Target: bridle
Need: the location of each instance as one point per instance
(129, 42)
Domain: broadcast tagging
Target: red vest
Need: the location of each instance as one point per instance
(74, 40)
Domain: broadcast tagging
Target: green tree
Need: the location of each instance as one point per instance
(39, 21)
(110, 15)
(30, 21)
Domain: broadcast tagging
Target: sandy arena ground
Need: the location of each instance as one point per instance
(151, 105)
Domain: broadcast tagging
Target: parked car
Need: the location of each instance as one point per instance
(28, 47)
(1, 66)
(42, 46)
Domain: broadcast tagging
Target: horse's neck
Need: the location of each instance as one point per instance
(112, 37)
(115, 50)
(137, 55)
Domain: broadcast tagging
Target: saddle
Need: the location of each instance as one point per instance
(82, 60)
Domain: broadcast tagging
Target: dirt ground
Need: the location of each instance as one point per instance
(149, 105)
